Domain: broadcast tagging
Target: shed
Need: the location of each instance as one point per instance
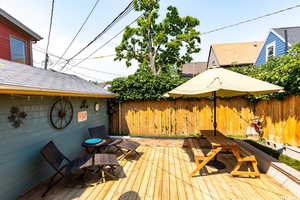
(35, 91)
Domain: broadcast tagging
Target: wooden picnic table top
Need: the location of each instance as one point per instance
(219, 140)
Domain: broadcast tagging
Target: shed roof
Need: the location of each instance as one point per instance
(237, 53)
(194, 68)
(18, 78)
(293, 34)
(34, 36)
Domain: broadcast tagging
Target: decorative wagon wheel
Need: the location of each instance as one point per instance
(61, 114)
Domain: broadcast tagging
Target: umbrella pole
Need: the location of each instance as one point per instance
(215, 113)
(216, 163)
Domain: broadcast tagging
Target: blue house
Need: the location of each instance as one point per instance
(277, 43)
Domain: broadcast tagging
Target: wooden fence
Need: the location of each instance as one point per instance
(186, 117)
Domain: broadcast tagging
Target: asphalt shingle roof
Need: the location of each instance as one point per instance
(194, 68)
(293, 34)
(14, 76)
(237, 53)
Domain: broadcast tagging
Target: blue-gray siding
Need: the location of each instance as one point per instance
(279, 48)
(21, 165)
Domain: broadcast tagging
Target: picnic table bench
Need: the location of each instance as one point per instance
(221, 142)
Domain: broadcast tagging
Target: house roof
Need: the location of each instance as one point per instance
(18, 78)
(34, 36)
(194, 68)
(237, 53)
(293, 34)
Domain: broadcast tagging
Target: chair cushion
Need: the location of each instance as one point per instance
(93, 141)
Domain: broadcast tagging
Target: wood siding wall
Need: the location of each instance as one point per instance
(187, 117)
(7, 31)
(21, 165)
(279, 48)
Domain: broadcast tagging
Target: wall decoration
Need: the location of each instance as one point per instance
(97, 107)
(84, 104)
(61, 114)
(82, 116)
(16, 117)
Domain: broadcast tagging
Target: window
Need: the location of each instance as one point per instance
(17, 50)
(270, 51)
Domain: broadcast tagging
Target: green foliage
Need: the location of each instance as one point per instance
(159, 47)
(144, 86)
(283, 71)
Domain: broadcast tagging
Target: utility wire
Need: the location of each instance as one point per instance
(49, 34)
(250, 20)
(107, 42)
(204, 33)
(125, 12)
(82, 67)
(86, 76)
(72, 41)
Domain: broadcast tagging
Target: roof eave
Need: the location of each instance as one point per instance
(53, 93)
(11, 19)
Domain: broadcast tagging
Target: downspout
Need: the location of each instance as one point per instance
(286, 42)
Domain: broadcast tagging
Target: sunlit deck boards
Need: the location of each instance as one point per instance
(162, 172)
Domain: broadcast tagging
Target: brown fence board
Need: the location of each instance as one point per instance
(186, 117)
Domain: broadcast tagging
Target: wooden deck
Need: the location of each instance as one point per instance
(162, 172)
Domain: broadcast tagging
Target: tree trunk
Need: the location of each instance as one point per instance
(151, 53)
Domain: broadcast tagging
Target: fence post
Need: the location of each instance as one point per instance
(120, 120)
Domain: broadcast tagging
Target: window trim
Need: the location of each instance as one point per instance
(272, 44)
(25, 48)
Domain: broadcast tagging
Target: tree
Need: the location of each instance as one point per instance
(283, 71)
(144, 86)
(159, 47)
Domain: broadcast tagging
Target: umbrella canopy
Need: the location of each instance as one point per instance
(224, 83)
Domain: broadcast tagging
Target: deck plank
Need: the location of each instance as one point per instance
(162, 172)
(142, 190)
(152, 178)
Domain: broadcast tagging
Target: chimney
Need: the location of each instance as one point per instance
(286, 41)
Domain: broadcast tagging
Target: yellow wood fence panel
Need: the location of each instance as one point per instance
(281, 118)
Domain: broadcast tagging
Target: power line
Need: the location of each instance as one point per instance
(204, 33)
(107, 42)
(49, 34)
(95, 70)
(84, 75)
(250, 20)
(82, 67)
(72, 41)
(125, 12)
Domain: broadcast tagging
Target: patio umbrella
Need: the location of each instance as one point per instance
(223, 83)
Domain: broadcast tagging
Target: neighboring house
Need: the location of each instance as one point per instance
(104, 85)
(48, 98)
(233, 54)
(16, 39)
(277, 43)
(194, 68)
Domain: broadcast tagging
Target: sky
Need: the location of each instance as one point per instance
(69, 16)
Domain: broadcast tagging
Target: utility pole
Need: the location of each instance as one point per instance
(49, 34)
(46, 61)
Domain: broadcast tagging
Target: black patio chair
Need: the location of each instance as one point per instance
(56, 160)
(124, 146)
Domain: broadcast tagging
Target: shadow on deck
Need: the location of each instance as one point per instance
(162, 172)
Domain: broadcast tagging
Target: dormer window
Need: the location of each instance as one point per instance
(270, 51)
(17, 50)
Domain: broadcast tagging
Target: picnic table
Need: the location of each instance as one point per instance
(220, 142)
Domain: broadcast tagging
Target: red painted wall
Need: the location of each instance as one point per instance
(6, 31)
